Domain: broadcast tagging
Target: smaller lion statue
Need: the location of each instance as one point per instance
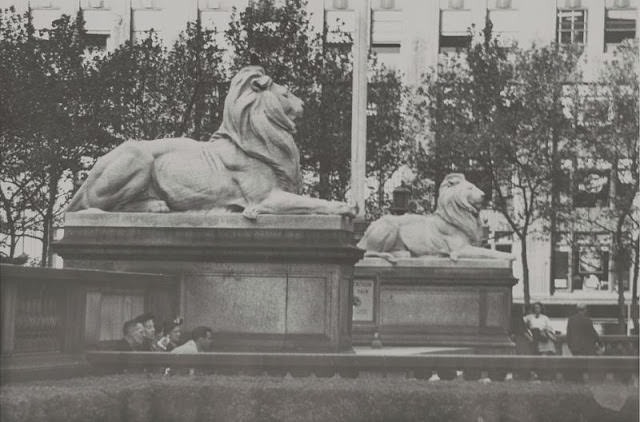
(250, 165)
(454, 230)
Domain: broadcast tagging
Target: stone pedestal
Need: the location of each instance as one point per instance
(280, 283)
(434, 302)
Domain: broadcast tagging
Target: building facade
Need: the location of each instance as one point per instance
(412, 36)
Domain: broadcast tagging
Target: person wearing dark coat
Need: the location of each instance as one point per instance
(133, 337)
(582, 338)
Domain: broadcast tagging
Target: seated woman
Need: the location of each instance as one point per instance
(170, 336)
(540, 326)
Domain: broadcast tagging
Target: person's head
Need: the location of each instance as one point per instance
(173, 329)
(133, 332)
(538, 308)
(582, 308)
(203, 336)
(147, 322)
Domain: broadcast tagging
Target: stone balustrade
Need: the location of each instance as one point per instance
(447, 367)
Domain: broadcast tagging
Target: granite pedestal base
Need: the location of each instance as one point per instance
(281, 283)
(434, 302)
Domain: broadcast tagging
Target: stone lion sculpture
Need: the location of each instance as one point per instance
(454, 230)
(251, 164)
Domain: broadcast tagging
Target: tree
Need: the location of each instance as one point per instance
(195, 80)
(48, 111)
(611, 134)
(281, 39)
(387, 146)
(494, 114)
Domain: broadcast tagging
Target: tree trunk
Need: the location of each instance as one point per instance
(324, 188)
(13, 239)
(634, 286)
(525, 269)
(46, 241)
(619, 261)
(47, 223)
(380, 189)
(555, 200)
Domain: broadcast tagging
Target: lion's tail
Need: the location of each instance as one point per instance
(380, 236)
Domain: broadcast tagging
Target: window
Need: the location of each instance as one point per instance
(503, 241)
(572, 27)
(96, 41)
(95, 4)
(455, 22)
(591, 189)
(386, 32)
(41, 4)
(561, 254)
(591, 261)
(619, 25)
(454, 43)
(145, 4)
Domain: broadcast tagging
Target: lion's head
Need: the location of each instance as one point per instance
(259, 117)
(459, 203)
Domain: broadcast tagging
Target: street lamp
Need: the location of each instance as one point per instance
(401, 197)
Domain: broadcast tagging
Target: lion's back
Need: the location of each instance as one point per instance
(192, 179)
(419, 234)
(384, 234)
(429, 236)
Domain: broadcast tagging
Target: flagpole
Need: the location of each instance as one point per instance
(362, 10)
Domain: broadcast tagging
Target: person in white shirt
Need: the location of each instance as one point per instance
(540, 327)
(201, 340)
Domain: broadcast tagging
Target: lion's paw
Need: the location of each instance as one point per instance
(250, 213)
(157, 206)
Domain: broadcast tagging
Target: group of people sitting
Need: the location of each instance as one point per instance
(139, 334)
(533, 333)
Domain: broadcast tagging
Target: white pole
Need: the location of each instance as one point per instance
(359, 104)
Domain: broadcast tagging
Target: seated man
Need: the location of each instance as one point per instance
(146, 320)
(133, 337)
(201, 339)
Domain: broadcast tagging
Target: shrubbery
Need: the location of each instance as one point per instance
(137, 397)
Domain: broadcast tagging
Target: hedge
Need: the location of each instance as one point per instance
(146, 397)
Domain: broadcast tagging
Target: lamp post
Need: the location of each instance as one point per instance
(401, 197)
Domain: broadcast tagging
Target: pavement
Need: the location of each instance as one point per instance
(411, 351)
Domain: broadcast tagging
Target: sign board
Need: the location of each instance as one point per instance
(363, 298)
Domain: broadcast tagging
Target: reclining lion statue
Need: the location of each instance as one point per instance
(251, 164)
(454, 230)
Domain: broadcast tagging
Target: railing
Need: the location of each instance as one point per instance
(446, 367)
(614, 345)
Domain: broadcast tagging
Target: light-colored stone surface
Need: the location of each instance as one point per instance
(235, 302)
(307, 304)
(207, 220)
(497, 305)
(434, 262)
(428, 307)
(251, 164)
(453, 230)
(409, 351)
(254, 303)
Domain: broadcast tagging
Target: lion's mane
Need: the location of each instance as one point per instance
(454, 207)
(256, 122)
